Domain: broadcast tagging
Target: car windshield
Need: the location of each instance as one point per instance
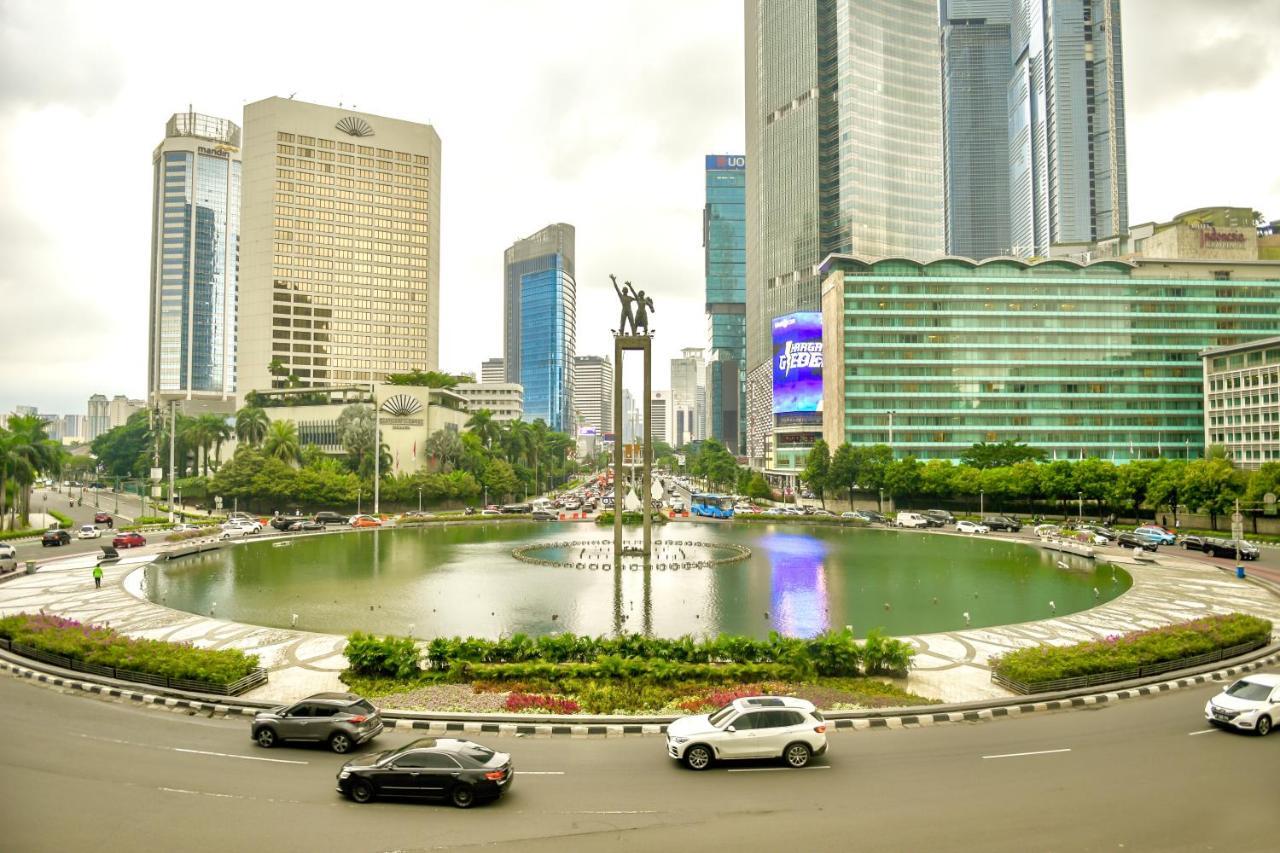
(719, 717)
(361, 707)
(480, 753)
(1249, 690)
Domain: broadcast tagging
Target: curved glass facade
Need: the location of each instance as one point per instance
(548, 307)
(1100, 360)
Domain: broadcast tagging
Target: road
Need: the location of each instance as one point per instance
(84, 773)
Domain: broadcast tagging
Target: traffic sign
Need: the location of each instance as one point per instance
(217, 501)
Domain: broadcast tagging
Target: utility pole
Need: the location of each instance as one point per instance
(377, 446)
(173, 429)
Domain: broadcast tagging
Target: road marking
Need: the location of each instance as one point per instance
(230, 755)
(1203, 732)
(615, 811)
(773, 769)
(1021, 754)
(201, 793)
(540, 772)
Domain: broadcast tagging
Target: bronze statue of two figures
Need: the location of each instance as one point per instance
(635, 309)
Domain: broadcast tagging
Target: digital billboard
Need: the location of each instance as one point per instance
(797, 363)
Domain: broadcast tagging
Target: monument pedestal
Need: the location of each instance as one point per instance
(623, 343)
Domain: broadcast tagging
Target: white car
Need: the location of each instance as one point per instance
(971, 527)
(184, 528)
(88, 531)
(8, 557)
(753, 727)
(910, 519)
(1250, 704)
(234, 531)
(243, 526)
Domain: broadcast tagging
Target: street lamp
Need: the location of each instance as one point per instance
(1080, 506)
(359, 490)
(982, 503)
(891, 433)
(419, 498)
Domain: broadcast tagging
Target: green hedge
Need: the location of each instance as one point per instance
(612, 668)
(630, 517)
(804, 519)
(64, 520)
(19, 534)
(97, 644)
(1129, 651)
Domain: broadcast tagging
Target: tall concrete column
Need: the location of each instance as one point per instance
(617, 452)
(646, 470)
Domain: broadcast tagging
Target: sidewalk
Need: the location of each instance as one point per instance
(950, 666)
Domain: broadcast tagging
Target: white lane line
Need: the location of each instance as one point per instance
(1203, 732)
(201, 793)
(615, 811)
(230, 755)
(775, 769)
(540, 772)
(1021, 754)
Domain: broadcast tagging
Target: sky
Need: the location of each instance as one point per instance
(597, 114)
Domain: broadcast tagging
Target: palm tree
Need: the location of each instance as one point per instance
(251, 425)
(213, 431)
(26, 452)
(282, 442)
(445, 446)
(485, 427)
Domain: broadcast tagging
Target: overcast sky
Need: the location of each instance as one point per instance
(593, 113)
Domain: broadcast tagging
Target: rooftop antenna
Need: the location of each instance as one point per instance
(291, 94)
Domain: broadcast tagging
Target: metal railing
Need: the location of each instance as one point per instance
(1057, 684)
(256, 677)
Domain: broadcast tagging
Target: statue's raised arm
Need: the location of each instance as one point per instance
(626, 298)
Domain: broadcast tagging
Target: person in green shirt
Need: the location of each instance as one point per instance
(97, 576)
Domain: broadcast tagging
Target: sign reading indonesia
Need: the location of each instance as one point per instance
(797, 363)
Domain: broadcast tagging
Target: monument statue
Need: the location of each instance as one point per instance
(635, 309)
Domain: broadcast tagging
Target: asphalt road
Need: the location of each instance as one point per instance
(84, 773)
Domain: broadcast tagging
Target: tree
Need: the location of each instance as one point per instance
(935, 478)
(873, 471)
(1129, 488)
(903, 476)
(282, 442)
(445, 447)
(485, 427)
(356, 427)
(1164, 489)
(758, 487)
(26, 452)
(1212, 486)
(429, 379)
(125, 451)
(845, 467)
(1001, 454)
(500, 479)
(251, 425)
(817, 468)
(1094, 479)
(716, 464)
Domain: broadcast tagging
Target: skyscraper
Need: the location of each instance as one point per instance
(1067, 172)
(659, 417)
(540, 323)
(593, 392)
(687, 413)
(493, 370)
(724, 243)
(340, 266)
(844, 153)
(195, 237)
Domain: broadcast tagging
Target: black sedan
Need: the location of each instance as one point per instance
(55, 538)
(459, 771)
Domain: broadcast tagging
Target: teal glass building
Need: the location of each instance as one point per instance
(540, 323)
(724, 240)
(1083, 360)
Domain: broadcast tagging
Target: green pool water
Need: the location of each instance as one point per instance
(799, 581)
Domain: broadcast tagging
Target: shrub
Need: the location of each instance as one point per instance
(629, 517)
(532, 702)
(391, 657)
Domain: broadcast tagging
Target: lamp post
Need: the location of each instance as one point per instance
(359, 490)
(1080, 506)
(891, 433)
(173, 424)
(982, 503)
(419, 498)
(377, 447)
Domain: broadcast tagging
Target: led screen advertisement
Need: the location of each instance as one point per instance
(797, 363)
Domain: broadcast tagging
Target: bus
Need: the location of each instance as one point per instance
(711, 506)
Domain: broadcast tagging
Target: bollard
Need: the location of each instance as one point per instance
(31, 567)
(1239, 571)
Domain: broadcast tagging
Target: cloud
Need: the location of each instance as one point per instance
(52, 53)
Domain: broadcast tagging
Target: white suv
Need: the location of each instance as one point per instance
(910, 519)
(754, 727)
(1251, 704)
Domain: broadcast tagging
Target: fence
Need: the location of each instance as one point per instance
(1124, 674)
(253, 679)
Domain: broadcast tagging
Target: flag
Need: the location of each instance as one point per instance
(415, 450)
(397, 459)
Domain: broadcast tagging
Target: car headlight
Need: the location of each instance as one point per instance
(679, 740)
(345, 774)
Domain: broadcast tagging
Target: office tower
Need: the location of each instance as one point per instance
(976, 70)
(660, 416)
(340, 262)
(593, 393)
(195, 243)
(1067, 174)
(503, 400)
(96, 418)
(688, 400)
(844, 154)
(725, 263)
(630, 418)
(539, 323)
(493, 370)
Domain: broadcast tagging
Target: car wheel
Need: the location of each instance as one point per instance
(797, 755)
(463, 796)
(361, 791)
(340, 743)
(266, 738)
(1263, 727)
(697, 757)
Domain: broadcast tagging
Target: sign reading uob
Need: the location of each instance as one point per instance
(726, 161)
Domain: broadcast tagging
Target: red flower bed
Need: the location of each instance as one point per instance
(541, 702)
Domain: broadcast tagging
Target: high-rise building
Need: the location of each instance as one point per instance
(724, 244)
(493, 370)
(688, 398)
(844, 153)
(195, 260)
(503, 400)
(96, 418)
(340, 261)
(1067, 172)
(630, 418)
(540, 322)
(660, 416)
(593, 392)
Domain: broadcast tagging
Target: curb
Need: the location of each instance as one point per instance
(434, 724)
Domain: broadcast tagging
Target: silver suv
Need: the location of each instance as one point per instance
(754, 727)
(342, 720)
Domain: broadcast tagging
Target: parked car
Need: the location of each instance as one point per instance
(874, 517)
(1194, 543)
(55, 538)
(515, 509)
(365, 521)
(1002, 522)
(342, 720)
(246, 526)
(461, 772)
(971, 527)
(820, 511)
(1135, 540)
(8, 557)
(103, 518)
(184, 528)
(1159, 534)
(1249, 704)
(326, 517)
(417, 516)
(234, 531)
(1043, 530)
(544, 515)
(1100, 530)
(940, 515)
(88, 531)
(284, 522)
(306, 524)
(754, 727)
(132, 539)
(489, 511)
(1227, 548)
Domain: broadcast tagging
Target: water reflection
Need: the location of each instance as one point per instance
(798, 584)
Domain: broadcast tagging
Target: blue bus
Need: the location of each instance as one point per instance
(711, 506)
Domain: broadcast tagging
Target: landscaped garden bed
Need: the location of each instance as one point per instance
(629, 674)
(103, 651)
(1121, 657)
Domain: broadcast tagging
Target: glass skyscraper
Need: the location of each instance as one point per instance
(194, 259)
(540, 323)
(724, 241)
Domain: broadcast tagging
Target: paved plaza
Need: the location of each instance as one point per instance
(950, 666)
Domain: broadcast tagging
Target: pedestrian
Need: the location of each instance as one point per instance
(97, 576)
(1164, 521)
